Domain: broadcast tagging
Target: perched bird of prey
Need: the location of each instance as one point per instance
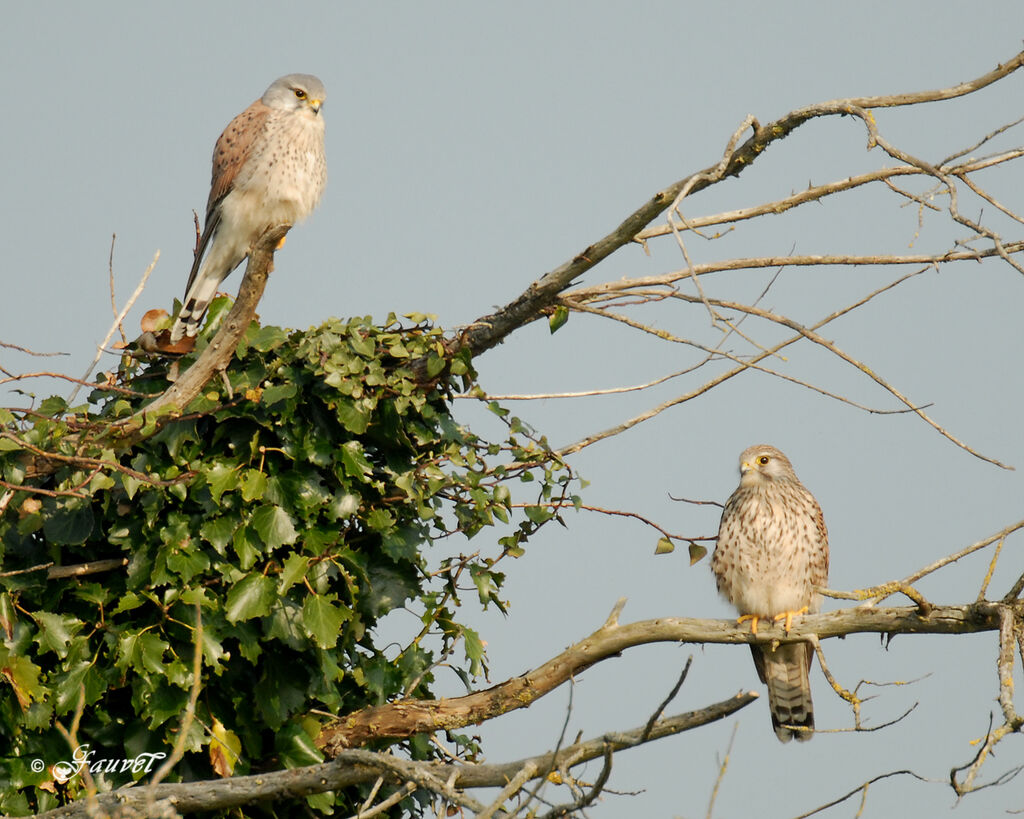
(268, 169)
(772, 550)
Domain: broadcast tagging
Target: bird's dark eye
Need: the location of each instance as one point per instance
(763, 460)
(300, 93)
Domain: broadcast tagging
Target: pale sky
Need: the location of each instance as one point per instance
(472, 147)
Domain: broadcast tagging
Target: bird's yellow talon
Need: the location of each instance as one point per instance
(788, 617)
(753, 618)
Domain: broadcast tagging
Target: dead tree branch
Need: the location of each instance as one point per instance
(407, 717)
(491, 329)
(214, 359)
(355, 767)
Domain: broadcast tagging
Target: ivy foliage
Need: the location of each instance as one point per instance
(274, 522)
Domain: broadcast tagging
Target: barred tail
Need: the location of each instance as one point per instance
(785, 671)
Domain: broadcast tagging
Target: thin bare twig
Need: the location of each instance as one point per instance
(861, 789)
(484, 396)
(953, 558)
(651, 413)
(100, 348)
(27, 351)
(190, 709)
(722, 768)
(816, 193)
(591, 795)
(664, 703)
(736, 359)
(366, 812)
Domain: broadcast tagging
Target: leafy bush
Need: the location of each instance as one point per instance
(289, 507)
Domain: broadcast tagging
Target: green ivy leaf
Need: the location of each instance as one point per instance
(141, 650)
(401, 544)
(323, 618)
(266, 339)
(278, 693)
(128, 601)
(354, 461)
(295, 747)
(165, 703)
(380, 520)
(187, 563)
(344, 506)
(131, 484)
(285, 624)
(78, 676)
(353, 416)
(379, 677)
(67, 521)
(435, 364)
(99, 482)
(254, 484)
(246, 544)
(221, 478)
(214, 653)
(56, 631)
(475, 650)
(251, 597)
(362, 344)
(218, 309)
(293, 571)
(274, 526)
(278, 392)
(22, 675)
(538, 514)
(7, 445)
(483, 579)
(218, 532)
(388, 591)
(53, 406)
(175, 436)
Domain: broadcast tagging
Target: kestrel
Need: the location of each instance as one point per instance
(268, 169)
(772, 550)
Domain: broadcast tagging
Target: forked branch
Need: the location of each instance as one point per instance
(354, 767)
(405, 718)
(490, 330)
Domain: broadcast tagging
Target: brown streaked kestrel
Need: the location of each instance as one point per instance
(268, 169)
(772, 550)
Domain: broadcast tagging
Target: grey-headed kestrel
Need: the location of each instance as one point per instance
(268, 169)
(772, 550)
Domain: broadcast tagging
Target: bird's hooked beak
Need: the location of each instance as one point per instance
(315, 105)
(749, 473)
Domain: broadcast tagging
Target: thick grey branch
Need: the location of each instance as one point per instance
(407, 717)
(356, 767)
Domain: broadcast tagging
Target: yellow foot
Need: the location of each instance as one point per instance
(788, 617)
(281, 243)
(753, 618)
